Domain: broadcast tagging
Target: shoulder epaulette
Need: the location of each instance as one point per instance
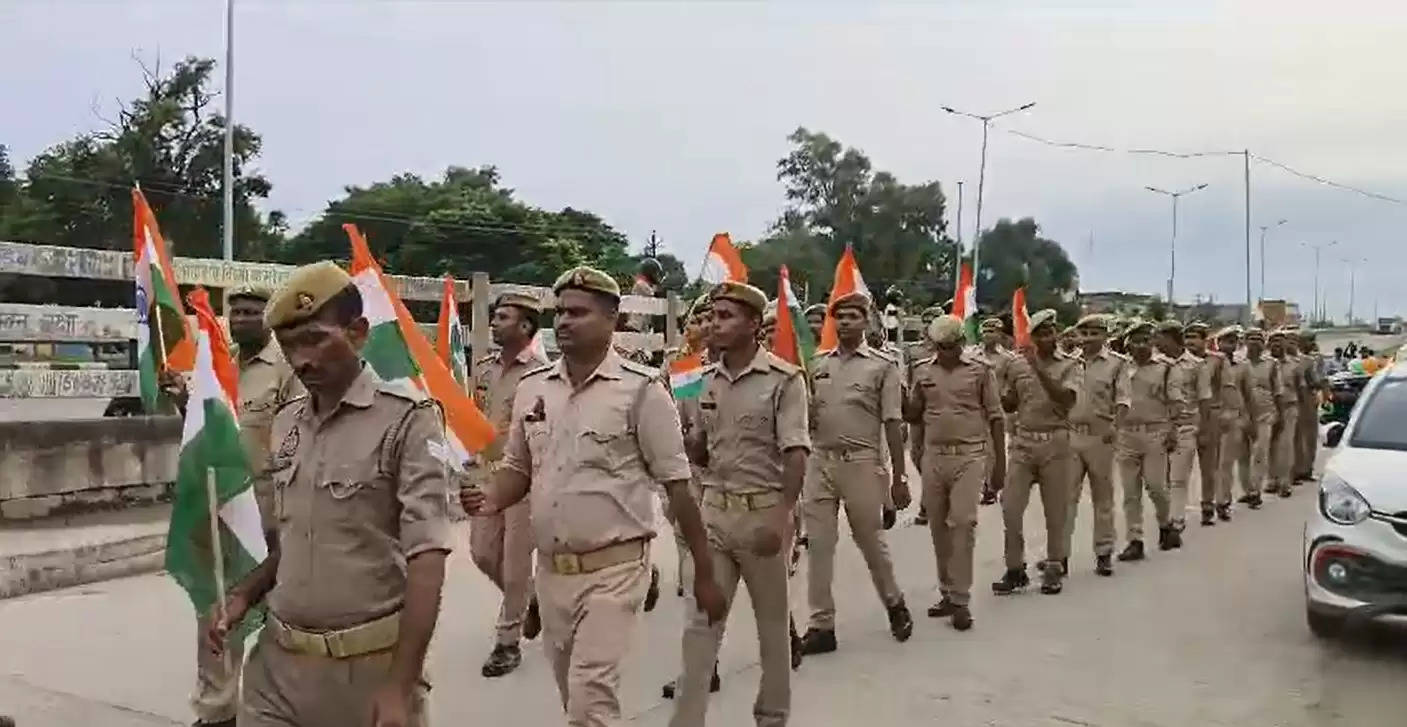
(537, 370)
(485, 359)
(639, 368)
(928, 359)
(887, 355)
(402, 391)
(299, 400)
(777, 363)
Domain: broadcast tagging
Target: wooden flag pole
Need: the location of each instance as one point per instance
(212, 499)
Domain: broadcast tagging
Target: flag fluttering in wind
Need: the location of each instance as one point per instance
(1020, 319)
(686, 376)
(212, 465)
(965, 303)
(449, 335)
(164, 339)
(790, 341)
(847, 280)
(723, 263)
(397, 349)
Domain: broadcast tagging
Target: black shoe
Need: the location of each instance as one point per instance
(1051, 579)
(714, 684)
(1208, 514)
(1013, 580)
(818, 641)
(1286, 492)
(1104, 565)
(942, 609)
(1174, 539)
(1247, 499)
(652, 596)
(922, 517)
(1255, 502)
(962, 618)
(503, 659)
(1133, 551)
(901, 622)
(1223, 513)
(8, 722)
(889, 517)
(532, 621)
(798, 650)
(679, 590)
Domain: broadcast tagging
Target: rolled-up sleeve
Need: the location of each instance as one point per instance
(891, 404)
(792, 426)
(659, 435)
(422, 485)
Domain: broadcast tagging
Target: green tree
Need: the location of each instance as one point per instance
(462, 223)
(836, 198)
(1014, 254)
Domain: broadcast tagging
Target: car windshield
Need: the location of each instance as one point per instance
(1383, 422)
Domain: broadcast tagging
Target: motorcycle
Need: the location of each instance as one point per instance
(1344, 389)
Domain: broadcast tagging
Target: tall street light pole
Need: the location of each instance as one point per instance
(957, 254)
(229, 130)
(1351, 282)
(982, 178)
(1263, 229)
(1172, 245)
(1318, 311)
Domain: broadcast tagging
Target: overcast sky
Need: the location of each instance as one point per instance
(671, 116)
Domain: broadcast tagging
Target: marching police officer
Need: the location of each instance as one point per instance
(856, 400)
(752, 445)
(361, 504)
(1263, 397)
(1282, 452)
(1212, 372)
(502, 543)
(1307, 421)
(1194, 381)
(1092, 433)
(1149, 401)
(590, 436)
(1041, 388)
(956, 416)
(1234, 423)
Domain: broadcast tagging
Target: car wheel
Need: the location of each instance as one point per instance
(1323, 625)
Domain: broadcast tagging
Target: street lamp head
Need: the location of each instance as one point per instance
(1154, 189)
(1027, 106)
(950, 109)
(1200, 186)
(1281, 222)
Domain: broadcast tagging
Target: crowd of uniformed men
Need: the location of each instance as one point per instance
(357, 488)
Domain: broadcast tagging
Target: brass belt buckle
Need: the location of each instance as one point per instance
(333, 645)
(567, 564)
(736, 502)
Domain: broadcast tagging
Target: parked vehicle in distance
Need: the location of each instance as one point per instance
(1389, 326)
(1355, 544)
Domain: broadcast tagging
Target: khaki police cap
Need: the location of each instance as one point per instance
(1169, 326)
(1094, 320)
(1138, 326)
(1229, 332)
(1257, 333)
(992, 324)
(932, 311)
(741, 293)
(1042, 317)
(1307, 335)
(588, 279)
(700, 304)
(252, 292)
(815, 308)
(945, 329)
(1196, 327)
(856, 299)
(769, 314)
(1069, 331)
(526, 301)
(304, 293)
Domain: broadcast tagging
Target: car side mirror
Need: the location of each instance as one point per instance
(1333, 435)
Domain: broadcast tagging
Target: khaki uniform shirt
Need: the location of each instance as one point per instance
(266, 382)
(749, 420)
(955, 406)
(1263, 377)
(1288, 395)
(1233, 384)
(1151, 392)
(495, 383)
(1215, 370)
(897, 356)
(852, 396)
(1035, 410)
(1194, 381)
(358, 491)
(1000, 361)
(1094, 404)
(594, 452)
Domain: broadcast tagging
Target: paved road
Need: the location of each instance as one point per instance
(1211, 635)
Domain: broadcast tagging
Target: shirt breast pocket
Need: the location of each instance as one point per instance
(605, 450)
(359, 492)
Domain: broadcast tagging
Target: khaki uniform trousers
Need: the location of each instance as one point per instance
(1094, 458)
(1233, 444)
(1142, 460)
(216, 696)
(1043, 458)
(1209, 458)
(1307, 438)
(1180, 472)
(953, 479)
(587, 623)
(856, 480)
(1255, 456)
(1282, 453)
(287, 689)
(732, 534)
(502, 547)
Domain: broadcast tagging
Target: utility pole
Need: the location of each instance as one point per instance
(1172, 245)
(1250, 312)
(229, 130)
(1263, 229)
(981, 181)
(957, 257)
(652, 248)
(1318, 310)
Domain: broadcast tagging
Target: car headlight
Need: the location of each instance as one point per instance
(1340, 503)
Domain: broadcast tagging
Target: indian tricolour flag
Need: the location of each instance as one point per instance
(965, 303)
(398, 351)
(723, 263)
(686, 376)
(212, 468)
(790, 341)
(847, 280)
(163, 335)
(449, 335)
(1020, 319)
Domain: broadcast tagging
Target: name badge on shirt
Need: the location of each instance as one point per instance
(538, 413)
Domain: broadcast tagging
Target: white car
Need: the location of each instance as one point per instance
(1355, 546)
